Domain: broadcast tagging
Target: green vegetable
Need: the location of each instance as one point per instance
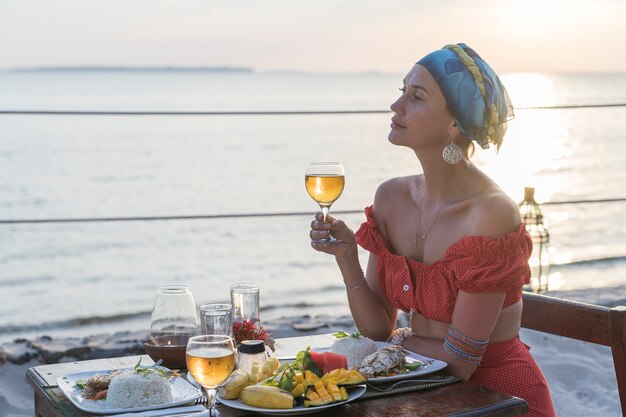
(341, 334)
(151, 370)
(309, 364)
(283, 377)
(413, 366)
(80, 383)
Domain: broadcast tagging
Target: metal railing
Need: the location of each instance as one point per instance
(18, 112)
(237, 215)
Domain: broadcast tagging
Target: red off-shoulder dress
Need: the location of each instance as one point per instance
(473, 264)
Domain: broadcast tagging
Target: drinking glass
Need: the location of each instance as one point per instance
(216, 319)
(173, 316)
(245, 300)
(324, 182)
(210, 360)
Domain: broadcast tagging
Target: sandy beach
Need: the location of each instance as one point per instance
(580, 375)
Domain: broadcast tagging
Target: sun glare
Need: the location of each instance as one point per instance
(535, 143)
(528, 89)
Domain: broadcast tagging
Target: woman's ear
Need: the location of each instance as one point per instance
(454, 130)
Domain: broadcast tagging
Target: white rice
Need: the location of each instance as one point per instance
(131, 390)
(355, 350)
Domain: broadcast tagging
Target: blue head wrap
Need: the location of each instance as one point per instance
(474, 94)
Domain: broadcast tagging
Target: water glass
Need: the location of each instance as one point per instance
(216, 319)
(245, 301)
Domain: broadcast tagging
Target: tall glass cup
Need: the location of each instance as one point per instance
(216, 319)
(245, 300)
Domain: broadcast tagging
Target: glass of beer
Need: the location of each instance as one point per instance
(210, 360)
(324, 182)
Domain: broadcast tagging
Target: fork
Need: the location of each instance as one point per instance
(408, 381)
(203, 400)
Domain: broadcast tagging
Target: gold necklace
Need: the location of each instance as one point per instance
(420, 239)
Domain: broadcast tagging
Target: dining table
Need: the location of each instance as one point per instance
(438, 394)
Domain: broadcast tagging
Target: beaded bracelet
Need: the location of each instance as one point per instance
(464, 348)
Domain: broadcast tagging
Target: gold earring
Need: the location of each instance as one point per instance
(452, 153)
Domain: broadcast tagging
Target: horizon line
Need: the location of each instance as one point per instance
(245, 69)
(129, 68)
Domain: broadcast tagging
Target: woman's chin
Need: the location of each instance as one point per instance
(394, 138)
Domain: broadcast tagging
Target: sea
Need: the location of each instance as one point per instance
(85, 278)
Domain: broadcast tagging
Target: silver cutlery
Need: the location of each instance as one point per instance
(409, 381)
(192, 410)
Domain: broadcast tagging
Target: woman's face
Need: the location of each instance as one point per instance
(421, 117)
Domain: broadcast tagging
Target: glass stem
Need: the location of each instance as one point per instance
(210, 395)
(325, 212)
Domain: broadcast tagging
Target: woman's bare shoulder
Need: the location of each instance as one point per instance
(394, 189)
(391, 196)
(495, 213)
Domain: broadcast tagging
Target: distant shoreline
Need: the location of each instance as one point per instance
(129, 69)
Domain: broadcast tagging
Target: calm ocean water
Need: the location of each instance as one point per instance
(86, 278)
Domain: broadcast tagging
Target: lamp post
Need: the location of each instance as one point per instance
(539, 261)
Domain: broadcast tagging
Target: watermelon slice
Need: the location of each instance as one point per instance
(334, 361)
(327, 361)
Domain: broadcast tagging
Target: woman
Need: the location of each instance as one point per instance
(447, 245)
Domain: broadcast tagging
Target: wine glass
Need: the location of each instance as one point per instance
(210, 360)
(324, 182)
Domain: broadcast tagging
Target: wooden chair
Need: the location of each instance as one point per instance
(590, 323)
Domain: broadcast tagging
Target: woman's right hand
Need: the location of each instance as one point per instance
(345, 241)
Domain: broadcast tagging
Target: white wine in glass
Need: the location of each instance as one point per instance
(324, 182)
(210, 360)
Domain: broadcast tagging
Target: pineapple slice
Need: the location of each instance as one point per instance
(254, 372)
(269, 367)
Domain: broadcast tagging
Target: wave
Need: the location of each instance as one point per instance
(77, 322)
(297, 305)
(25, 281)
(120, 318)
(608, 261)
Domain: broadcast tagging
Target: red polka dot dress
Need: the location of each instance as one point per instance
(473, 264)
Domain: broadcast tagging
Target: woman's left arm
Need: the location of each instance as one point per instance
(475, 316)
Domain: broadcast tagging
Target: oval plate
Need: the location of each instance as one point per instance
(353, 393)
(182, 391)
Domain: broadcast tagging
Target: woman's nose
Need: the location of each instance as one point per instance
(396, 105)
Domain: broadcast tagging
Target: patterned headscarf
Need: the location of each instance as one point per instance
(474, 94)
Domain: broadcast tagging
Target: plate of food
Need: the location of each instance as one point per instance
(353, 392)
(291, 388)
(381, 362)
(127, 390)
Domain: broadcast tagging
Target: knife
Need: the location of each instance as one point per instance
(195, 410)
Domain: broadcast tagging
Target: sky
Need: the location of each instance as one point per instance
(313, 35)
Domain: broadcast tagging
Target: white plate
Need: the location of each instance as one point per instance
(353, 393)
(430, 366)
(182, 391)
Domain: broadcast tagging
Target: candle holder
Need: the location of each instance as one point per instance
(173, 322)
(170, 349)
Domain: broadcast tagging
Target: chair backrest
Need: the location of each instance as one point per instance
(581, 321)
